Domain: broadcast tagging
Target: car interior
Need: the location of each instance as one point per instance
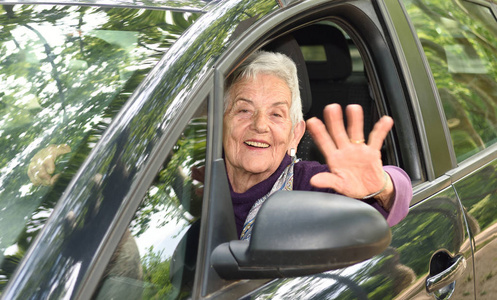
(330, 71)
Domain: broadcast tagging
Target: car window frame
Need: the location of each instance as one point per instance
(392, 93)
(439, 155)
(441, 163)
(275, 25)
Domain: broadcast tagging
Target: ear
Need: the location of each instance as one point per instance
(298, 133)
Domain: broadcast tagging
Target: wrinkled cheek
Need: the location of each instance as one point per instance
(227, 137)
(231, 150)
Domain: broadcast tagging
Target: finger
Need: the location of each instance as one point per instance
(320, 136)
(323, 180)
(334, 121)
(380, 132)
(355, 121)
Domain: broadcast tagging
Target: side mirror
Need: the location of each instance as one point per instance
(300, 233)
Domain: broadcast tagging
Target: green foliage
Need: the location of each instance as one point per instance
(479, 195)
(459, 39)
(485, 210)
(174, 190)
(173, 198)
(66, 71)
(156, 272)
(423, 233)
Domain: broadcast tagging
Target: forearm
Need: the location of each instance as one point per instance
(397, 196)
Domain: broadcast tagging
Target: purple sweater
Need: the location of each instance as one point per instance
(303, 171)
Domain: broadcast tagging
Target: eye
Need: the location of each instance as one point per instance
(278, 113)
(243, 112)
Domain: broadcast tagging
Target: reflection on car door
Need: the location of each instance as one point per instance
(478, 193)
(460, 45)
(401, 271)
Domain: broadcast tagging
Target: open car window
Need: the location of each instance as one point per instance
(336, 74)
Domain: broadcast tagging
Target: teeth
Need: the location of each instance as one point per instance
(257, 144)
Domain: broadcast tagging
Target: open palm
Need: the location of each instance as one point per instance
(356, 168)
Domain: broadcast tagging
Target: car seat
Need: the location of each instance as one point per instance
(331, 79)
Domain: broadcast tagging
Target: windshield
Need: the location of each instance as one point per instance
(65, 71)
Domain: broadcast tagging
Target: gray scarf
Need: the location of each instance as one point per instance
(284, 182)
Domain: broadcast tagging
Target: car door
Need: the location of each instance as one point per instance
(460, 49)
(433, 240)
(431, 253)
(163, 124)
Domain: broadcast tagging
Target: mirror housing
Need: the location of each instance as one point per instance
(300, 233)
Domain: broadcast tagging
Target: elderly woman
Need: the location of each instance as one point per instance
(263, 124)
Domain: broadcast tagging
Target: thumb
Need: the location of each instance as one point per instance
(323, 180)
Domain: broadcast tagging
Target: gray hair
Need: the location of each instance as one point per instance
(271, 63)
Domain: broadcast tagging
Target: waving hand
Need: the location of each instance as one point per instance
(356, 168)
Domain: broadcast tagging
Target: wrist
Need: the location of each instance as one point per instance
(385, 198)
(383, 188)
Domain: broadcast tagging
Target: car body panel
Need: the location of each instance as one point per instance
(424, 193)
(480, 208)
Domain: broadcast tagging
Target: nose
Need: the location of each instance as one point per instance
(260, 122)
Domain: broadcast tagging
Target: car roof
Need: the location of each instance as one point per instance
(176, 5)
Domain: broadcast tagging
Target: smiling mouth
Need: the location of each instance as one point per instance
(257, 144)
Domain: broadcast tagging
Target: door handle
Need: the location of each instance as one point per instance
(446, 272)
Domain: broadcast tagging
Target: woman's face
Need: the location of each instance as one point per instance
(257, 126)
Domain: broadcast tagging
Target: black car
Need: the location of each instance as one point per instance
(111, 112)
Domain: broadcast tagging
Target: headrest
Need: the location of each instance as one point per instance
(288, 45)
(338, 64)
